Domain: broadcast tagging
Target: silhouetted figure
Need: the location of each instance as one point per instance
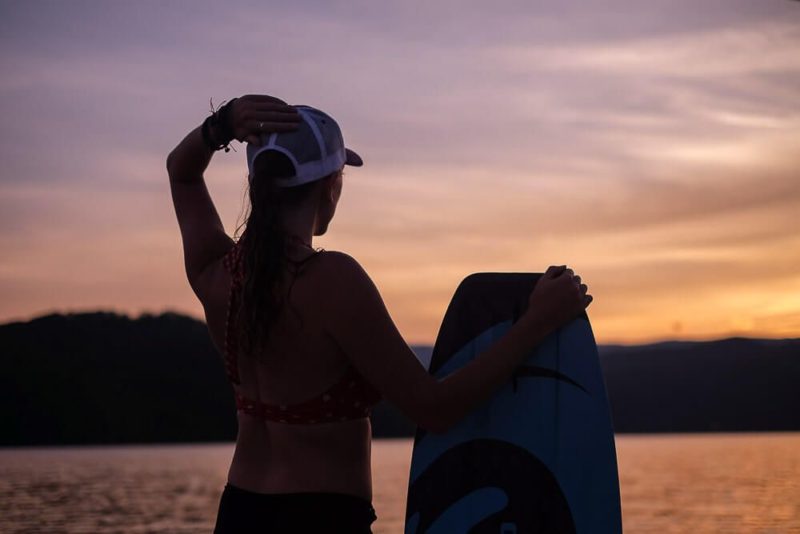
(308, 344)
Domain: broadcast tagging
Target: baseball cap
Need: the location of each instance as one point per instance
(315, 148)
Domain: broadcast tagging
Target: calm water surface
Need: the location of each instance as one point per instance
(670, 483)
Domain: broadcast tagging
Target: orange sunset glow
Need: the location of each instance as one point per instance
(652, 147)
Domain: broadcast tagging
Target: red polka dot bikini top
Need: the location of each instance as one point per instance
(351, 397)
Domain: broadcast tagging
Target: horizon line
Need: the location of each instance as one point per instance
(417, 343)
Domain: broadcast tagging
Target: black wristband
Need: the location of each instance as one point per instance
(224, 126)
(223, 132)
(210, 143)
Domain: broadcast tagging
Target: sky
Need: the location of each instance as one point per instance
(653, 147)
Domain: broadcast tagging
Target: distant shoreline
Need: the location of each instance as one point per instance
(104, 378)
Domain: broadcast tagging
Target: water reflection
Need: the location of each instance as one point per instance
(670, 484)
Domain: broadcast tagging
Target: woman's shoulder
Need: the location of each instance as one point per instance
(341, 269)
(337, 259)
(344, 293)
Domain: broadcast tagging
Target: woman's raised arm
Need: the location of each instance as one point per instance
(202, 232)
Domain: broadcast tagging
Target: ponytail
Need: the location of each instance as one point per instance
(263, 246)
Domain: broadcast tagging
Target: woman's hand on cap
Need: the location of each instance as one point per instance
(253, 115)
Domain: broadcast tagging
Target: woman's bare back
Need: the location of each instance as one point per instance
(302, 362)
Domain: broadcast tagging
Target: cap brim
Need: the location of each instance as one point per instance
(353, 158)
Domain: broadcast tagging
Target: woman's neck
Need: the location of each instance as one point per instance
(299, 221)
(299, 241)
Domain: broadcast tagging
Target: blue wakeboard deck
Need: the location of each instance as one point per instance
(539, 456)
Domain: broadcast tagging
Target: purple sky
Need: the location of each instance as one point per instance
(652, 146)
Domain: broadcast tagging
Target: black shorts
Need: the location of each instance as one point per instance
(243, 512)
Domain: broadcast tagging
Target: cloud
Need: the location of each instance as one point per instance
(653, 145)
(744, 50)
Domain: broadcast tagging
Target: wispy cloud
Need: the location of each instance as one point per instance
(651, 145)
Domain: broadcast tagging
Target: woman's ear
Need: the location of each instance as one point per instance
(336, 185)
(333, 196)
(324, 190)
(331, 187)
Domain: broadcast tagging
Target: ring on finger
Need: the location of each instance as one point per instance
(260, 125)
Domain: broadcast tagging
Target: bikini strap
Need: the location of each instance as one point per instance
(232, 263)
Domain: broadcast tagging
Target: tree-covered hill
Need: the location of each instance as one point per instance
(107, 378)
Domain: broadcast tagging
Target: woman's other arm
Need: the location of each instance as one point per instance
(360, 323)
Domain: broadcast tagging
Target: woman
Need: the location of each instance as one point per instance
(309, 345)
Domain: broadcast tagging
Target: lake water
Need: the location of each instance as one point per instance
(712, 483)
